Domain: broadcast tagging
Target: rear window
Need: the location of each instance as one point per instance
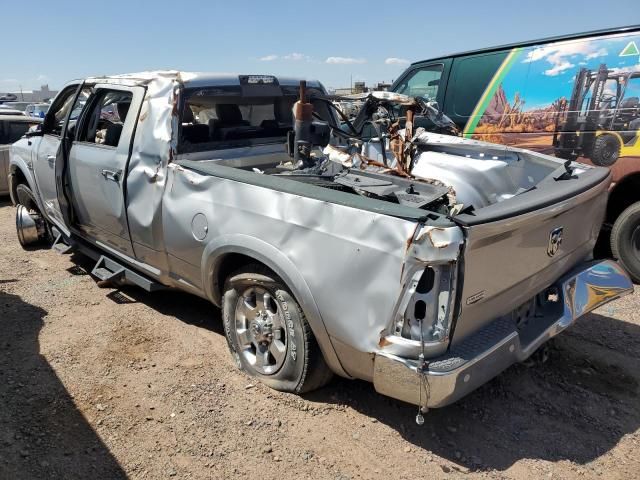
(219, 118)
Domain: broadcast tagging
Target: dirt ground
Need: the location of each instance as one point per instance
(98, 383)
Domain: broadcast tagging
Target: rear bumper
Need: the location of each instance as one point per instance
(491, 350)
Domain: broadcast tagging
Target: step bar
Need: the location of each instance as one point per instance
(106, 269)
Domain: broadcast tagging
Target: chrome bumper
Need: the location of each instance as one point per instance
(499, 345)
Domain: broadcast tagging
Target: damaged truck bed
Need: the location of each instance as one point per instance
(373, 249)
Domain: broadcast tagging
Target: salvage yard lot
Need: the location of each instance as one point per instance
(100, 383)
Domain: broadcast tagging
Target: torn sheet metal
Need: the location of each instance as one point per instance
(321, 240)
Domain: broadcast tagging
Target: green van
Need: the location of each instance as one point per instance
(576, 97)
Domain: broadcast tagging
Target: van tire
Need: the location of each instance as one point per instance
(303, 368)
(625, 240)
(606, 150)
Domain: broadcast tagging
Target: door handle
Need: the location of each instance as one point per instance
(111, 175)
(51, 159)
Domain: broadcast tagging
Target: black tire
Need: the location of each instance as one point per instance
(302, 368)
(25, 197)
(606, 150)
(625, 240)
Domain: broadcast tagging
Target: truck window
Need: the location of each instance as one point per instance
(218, 118)
(422, 82)
(104, 119)
(58, 112)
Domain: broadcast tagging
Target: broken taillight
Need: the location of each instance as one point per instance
(428, 312)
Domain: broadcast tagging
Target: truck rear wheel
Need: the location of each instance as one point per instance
(625, 240)
(267, 333)
(606, 150)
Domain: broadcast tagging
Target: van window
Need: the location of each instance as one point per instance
(422, 82)
(472, 76)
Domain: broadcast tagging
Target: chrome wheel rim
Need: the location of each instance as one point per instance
(260, 330)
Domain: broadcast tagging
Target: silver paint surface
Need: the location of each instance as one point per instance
(353, 264)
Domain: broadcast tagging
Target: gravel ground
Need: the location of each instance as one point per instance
(99, 383)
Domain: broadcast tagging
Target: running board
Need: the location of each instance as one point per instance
(59, 244)
(112, 273)
(108, 270)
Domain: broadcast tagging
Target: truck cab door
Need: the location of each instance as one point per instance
(49, 150)
(98, 161)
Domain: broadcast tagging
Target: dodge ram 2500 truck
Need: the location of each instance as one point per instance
(423, 263)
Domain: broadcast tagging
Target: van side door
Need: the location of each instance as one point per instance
(483, 92)
(98, 161)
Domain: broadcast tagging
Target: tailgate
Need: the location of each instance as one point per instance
(510, 259)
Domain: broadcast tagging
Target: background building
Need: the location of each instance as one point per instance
(35, 96)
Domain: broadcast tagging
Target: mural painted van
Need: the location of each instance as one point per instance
(576, 97)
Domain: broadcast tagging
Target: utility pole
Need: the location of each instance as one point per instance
(21, 94)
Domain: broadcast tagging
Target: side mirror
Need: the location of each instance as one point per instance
(35, 131)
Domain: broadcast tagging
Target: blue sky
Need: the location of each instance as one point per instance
(332, 41)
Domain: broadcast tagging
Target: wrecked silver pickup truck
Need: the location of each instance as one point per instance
(423, 263)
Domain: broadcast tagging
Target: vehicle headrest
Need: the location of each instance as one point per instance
(187, 115)
(123, 109)
(228, 113)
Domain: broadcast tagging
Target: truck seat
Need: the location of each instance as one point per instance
(112, 134)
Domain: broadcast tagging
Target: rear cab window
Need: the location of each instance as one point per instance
(231, 116)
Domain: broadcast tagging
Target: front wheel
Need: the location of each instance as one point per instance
(267, 333)
(606, 150)
(625, 240)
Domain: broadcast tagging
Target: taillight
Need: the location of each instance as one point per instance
(428, 313)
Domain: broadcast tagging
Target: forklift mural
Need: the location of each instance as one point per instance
(601, 120)
(577, 99)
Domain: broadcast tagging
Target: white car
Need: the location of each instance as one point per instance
(10, 111)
